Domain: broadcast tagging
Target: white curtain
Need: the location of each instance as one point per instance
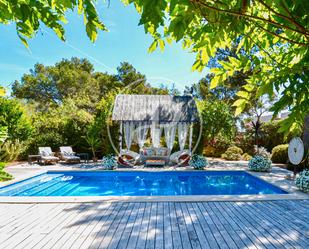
(182, 134)
(141, 134)
(155, 133)
(170, 132)
(128, 133)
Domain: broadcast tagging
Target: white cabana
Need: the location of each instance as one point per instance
(138, 114)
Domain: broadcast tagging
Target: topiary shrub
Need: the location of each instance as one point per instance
(246, 157)
(109, 162)
(279, 154)
(198, 162)
(261, 151)
(302, 181)
(260, 164)
(232, 153)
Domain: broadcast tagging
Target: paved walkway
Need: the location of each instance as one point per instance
(261, 224)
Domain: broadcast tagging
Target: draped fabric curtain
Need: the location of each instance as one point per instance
(128, 133)
(155, 133)
(170, 132)
(141, 134)
(182, 134)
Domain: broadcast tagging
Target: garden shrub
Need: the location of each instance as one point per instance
(232, 153)
(198, 162)
(302, 181)
(279, 154)
(109, 162)
(4, 176)
(261, 151)
(260, 164)
(246, 157)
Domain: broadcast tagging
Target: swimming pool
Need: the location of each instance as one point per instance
(138, 183)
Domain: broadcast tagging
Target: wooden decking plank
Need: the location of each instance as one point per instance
(167, 227)
(136, 227)
(35, 231)
(98, 229)
(258, 224)
(227, 237)
(177, 243)
(57, 231)
(230, 226)
(268, 240)
(123, 224)
(212, 226)
(22, 229)
(105, 226)
(261, 241)
(151, 232)
(195, 224)
(280, 212)
(186, 243)
(267, 224)
(123, 241)
(194, 209)
(104, 242)
(142, 237)
(76, 231)
(159, 242)
(284, 229)
(250, 240)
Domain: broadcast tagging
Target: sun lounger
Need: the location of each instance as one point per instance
(47, 156)
(68, 155)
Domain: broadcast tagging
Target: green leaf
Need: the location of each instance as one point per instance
(215, 81)
(243, 94)
(153, 46)
(24, 41)
(161, 44)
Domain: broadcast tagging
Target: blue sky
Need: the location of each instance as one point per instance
(125, 41)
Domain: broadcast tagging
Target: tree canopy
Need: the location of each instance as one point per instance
(30, 15)
(274, 32)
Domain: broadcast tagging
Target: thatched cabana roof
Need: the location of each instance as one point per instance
(158, 108)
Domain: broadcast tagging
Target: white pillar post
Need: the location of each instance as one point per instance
(190, 137)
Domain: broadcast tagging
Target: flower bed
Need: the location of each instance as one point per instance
(260, 164)
(302, 181)
(198, 162)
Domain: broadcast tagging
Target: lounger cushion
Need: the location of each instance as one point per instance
(71, 157)
(50, 158)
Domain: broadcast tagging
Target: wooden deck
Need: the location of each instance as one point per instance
(263, 224)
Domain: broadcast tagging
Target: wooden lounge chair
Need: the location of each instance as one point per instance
(68, 155)
(47, 156)
(128, 158)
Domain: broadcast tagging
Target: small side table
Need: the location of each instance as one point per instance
(32, 158)
(84, 156)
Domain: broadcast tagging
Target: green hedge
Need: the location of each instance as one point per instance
(279, 154)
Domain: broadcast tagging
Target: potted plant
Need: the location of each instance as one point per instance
(198, 162)
(109, 162)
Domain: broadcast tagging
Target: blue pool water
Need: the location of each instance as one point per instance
(141, 184)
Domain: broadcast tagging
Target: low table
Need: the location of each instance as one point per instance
(32, 158)
(83, 156)
(154, 162)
